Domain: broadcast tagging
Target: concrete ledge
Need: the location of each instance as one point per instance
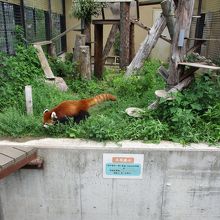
(68, 143)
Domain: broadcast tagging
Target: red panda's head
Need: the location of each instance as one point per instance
(49, 118)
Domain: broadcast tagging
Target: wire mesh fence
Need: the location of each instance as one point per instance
(35, 23)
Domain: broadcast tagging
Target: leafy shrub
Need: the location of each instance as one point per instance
(193, 110)
(87, 8)
(63, 68)
(16, 72)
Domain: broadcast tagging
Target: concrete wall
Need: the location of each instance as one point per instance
(178, 183)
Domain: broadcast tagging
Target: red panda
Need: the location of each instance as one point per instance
(77, 109)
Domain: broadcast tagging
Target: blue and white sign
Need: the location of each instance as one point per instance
(123, 166)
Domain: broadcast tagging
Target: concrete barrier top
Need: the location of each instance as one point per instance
(67, 143)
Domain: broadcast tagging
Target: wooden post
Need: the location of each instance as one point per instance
(98, 48)
(184, 14)
(168, 8)
(85, 65)
(124, 34)
(28, 99)
(131, 44)
(147, 45)
(110, 41)
(79, 41)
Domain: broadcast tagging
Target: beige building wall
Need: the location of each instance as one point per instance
(210, 5)
(70, 22)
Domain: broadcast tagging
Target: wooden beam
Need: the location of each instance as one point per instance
(147, 46)
(139, 24)
(110, 41)
(98, 49)
(42, 43)
(44, 62)
(63, 33)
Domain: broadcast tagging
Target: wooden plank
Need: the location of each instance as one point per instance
(44, 63)
(26, 150)
(13, 153)
(5, 161)
(199, 65)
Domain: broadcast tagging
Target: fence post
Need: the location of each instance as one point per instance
(28, 99)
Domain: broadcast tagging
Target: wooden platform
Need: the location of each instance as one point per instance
(13, 158)
(199, 65)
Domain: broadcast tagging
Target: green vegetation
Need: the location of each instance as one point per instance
(87, 8)
(193, 116)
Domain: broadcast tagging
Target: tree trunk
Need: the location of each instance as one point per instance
(80, 41)
(87, 32)
(184, 14)
(168, 8)
(124, 34)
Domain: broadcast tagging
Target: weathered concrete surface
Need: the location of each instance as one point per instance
(178, 183)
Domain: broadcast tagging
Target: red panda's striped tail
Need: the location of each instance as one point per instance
(100, 98)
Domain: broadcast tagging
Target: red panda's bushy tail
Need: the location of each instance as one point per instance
(100, 98)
